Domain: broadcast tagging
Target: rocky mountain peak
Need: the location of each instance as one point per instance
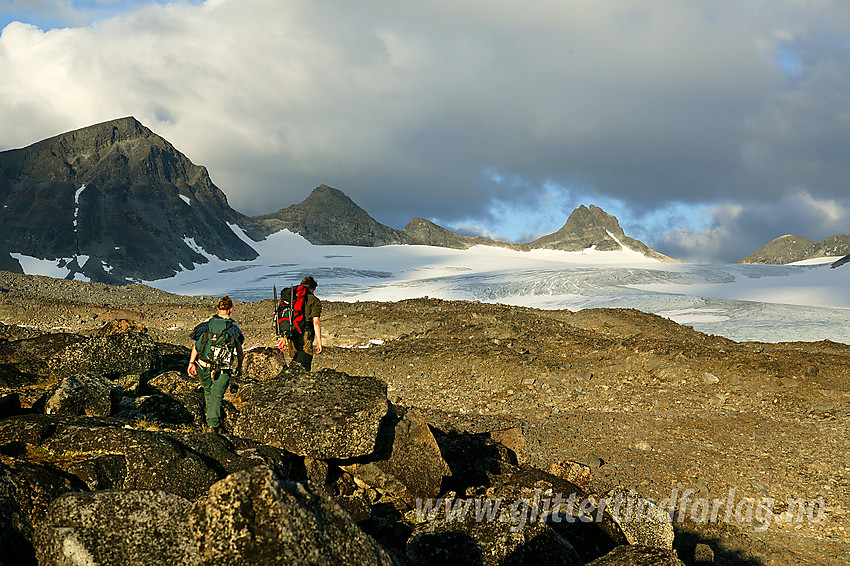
(113, 202)
(590, 218)
(328, 216)
(790, 248)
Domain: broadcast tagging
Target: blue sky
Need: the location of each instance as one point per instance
(707, 128)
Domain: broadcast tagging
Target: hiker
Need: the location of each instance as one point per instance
(302, 346)
(215, 371)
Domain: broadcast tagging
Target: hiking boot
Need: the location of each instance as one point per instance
(208, 428)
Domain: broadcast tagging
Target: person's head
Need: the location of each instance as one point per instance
(225, 305)
(310, 283)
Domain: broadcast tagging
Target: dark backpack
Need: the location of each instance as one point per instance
(291, 319)
(217, 346)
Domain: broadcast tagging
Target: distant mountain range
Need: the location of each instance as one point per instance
(115, 202)
(791, 248)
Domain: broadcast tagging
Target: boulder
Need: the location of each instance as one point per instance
(132, 528)
(85, 394)
(185, 464)
(263, 364)
(574, 472)
(173, 382)
(414, 469)
(253, 517)
(500, 541)
(642, 521)
(26, 490)
(514, 440)
(157, 408)
(628, 555)
(565, 507)
(323, 415)
(111, 356)
(22, 362)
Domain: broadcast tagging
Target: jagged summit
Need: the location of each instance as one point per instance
(114, 201)
(790, 248)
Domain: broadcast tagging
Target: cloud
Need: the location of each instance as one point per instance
(647, 107)
(731, 231)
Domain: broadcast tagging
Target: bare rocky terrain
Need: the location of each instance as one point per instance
(641, 402)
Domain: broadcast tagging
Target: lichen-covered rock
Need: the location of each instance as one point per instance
(263, 364)
(252, 517)
(325, 414)
(156, 408)
(185, 464)
(85, 394)
(414, 468)
(111, 356)
(505, 540)
(26, 490)
(566, 508)
(173, 381)
(642, 521)
(628, 555)
(132, 528)
(23, 362)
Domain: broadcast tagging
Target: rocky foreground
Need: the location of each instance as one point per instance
(419, 418)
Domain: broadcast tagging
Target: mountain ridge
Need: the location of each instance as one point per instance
(790, 248)
(115, 202)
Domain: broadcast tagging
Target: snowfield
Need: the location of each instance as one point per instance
(767, 303)
(771, 303)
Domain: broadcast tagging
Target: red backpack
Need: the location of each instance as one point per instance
(290, 313)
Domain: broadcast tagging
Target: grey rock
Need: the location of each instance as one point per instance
(172, 382)
(642, 521)
(111, 356)
(263, 364)
(85, 394)
(415, 467)
(501, 541)
(23, 362)
(26, 490)
(252, 517)
(628, 555)
(567, 509)
(132, 528)
(325, 414)
(709, 378)
(185, 464)
(157, 408)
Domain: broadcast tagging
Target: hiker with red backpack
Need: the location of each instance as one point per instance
(298, 322)
(216, 357)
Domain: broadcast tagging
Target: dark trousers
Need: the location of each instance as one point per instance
(302, 357)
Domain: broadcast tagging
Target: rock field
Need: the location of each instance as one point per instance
(625, 399)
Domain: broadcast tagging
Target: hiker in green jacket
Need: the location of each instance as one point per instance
(217, 341)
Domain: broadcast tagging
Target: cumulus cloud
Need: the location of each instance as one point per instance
(403, 105)
(731, 231)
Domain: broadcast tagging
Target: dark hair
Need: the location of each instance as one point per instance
(309, 282)
(225, 303)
